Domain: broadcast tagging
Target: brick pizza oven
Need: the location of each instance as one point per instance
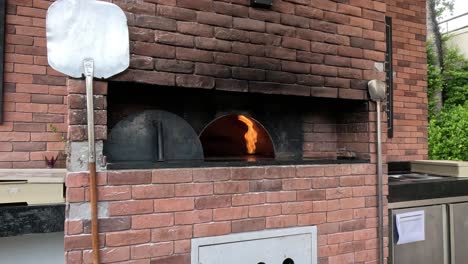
(174, 132)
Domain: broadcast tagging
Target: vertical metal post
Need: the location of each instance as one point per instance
(379, 184)
(88, 65)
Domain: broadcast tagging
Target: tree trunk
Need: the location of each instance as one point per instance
(433, 32)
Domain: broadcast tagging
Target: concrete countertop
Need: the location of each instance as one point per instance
(34, 175)
(429, 189)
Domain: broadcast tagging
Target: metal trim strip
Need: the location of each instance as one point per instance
(417, 203)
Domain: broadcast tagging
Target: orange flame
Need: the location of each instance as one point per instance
(251, 135)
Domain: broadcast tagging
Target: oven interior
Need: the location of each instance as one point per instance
(154, 126)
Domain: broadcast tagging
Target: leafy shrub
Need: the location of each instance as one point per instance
(448, 134)
(452, 80)
(456, 91)
(448, 130)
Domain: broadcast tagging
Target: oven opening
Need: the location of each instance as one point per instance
(236, 137)
(155, 127)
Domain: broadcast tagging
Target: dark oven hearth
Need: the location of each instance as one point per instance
(153, 126)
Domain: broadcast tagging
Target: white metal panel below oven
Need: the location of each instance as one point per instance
(299, 245)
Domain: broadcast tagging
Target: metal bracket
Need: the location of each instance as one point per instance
(88, 66)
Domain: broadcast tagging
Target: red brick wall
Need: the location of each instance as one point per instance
(337, 127)
(76, 102)
(152, 215)
(321, 48)
(310, 48)
(33, 92)
(410, 90)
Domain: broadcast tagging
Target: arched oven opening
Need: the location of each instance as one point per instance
(236, 137)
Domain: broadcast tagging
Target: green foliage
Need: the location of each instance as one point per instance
(452, 80)
(448, 130)
(453, 58)
(456, 90)
(448, 134)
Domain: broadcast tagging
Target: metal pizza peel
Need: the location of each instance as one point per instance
(90, 38)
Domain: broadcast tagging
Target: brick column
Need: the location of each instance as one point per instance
(77, 129)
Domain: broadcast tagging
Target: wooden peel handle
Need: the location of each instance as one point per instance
(94, 212)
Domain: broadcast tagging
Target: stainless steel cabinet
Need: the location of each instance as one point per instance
(434, 248)
(459, 233)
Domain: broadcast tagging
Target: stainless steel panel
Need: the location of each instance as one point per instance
(459, 233)
(434, 249)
